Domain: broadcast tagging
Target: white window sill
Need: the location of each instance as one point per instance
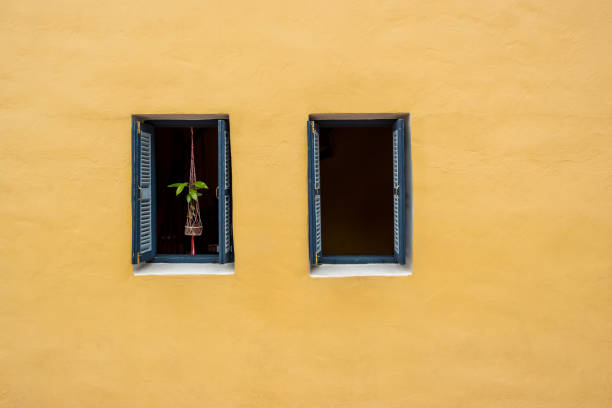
(352, 270)
(147, 269)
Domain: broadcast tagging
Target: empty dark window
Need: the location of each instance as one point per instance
(357, 191)
(357, 179)
(161, 156)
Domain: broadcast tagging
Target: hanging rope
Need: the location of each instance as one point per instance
(193, 225)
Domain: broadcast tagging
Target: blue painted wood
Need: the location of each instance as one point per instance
(314, 195)
(221, 185)
(400, 194)
(229, 210)
(226, 242)
(229, 196)
(144, 242)
(356, 259)
(134, 192)
(311, 257)
(179, 258)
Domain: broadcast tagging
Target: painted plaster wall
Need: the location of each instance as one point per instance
(509, 304)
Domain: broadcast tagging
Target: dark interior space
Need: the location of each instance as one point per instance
(356, 190)
(172, 158)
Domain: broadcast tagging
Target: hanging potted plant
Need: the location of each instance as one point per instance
(193, 224)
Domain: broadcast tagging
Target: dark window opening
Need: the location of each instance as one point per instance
(356, 190)
(172, 155)
(358, 197)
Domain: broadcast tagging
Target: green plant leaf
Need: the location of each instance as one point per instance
(199, 194)
(200, 184)
(180, 188)
(188, 198)
(174, 184)
(193, 194)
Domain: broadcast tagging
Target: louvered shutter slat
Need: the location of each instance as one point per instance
(399, 193)
(314, 193)
(226, 244)
(143, 194)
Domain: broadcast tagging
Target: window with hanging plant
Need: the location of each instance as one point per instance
(193, 224)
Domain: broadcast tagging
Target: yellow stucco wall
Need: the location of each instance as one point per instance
(511, 114)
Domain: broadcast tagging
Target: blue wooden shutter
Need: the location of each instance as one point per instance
(399, 193)
(314, 194)
(143, 193)
(226, 239)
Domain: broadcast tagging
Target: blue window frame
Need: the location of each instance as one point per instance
(144, 195)
(396, 136)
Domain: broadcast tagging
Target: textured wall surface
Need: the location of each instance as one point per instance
(510, 301)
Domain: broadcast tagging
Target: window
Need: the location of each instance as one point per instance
(161, 150)
(359, 189)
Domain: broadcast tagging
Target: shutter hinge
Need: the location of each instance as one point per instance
(137, 257)
(316, 258)
(138, 124)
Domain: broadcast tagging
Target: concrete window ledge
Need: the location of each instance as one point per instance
(352, 270)
(172, 269)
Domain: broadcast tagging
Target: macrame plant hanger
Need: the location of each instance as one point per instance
(193, 225)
